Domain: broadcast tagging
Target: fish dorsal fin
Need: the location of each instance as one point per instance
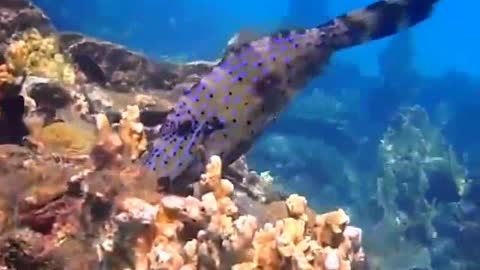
(240, 40)
(242, 37)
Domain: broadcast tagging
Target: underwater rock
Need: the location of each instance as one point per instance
(64, 214)
(124, 70)
(50, 95)
(19, 15)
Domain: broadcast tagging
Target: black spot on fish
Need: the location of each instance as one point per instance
(268, 89)
(265, 85)
(90, 68)
(167, 129)
(185, 128)
(164, 183)
(213, 125)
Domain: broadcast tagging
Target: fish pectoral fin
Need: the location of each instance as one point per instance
(201, 153)
(164, 184)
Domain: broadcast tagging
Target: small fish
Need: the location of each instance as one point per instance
(231, 106)
(90, 68)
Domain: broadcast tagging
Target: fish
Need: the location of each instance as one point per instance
(230, 107)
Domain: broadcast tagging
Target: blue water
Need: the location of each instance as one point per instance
(334, 157)
(449, 41)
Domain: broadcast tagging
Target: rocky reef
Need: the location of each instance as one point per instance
(74, 113)
(74, 213)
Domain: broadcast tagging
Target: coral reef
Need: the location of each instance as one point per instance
(422, 186)
(417, 164)
(5, 75)
(126, 70)
(34, 54)
(20, 15)
(73, 200)
(63, 138)
(60, 213)
(132, 132)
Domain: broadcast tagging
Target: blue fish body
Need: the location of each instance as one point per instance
(230, 107)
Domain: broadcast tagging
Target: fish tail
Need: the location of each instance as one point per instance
(376, 21)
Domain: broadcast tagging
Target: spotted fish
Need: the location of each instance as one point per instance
(229, 108)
